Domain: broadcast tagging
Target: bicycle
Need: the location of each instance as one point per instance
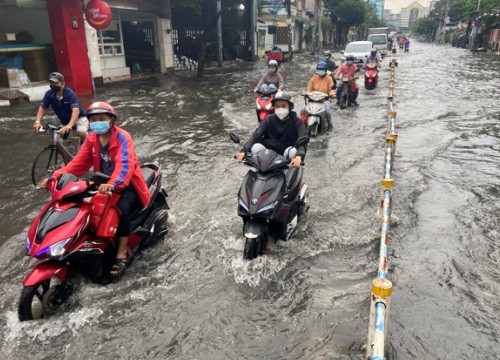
(60, 152)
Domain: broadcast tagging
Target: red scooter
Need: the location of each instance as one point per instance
(76, 233)
(264, 104)
(371, 76)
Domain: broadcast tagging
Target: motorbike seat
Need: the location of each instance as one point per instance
(148, 174)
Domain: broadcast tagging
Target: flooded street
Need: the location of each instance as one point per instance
(193, 297)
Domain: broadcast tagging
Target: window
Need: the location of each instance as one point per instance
(111, 40)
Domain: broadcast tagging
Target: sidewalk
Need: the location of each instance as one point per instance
(28, 93)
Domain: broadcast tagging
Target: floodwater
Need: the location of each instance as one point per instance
(193, 297)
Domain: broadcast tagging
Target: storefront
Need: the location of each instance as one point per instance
(26, 52)
(39, 37)
(137, 41)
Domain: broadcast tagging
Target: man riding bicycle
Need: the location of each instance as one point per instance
(66, 106)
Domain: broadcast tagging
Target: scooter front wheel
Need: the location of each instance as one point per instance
(255, 247)
(31, 302)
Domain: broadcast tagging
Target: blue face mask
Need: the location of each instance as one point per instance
(350, 62)
(326, 57)
(321, 73)
(100, 127)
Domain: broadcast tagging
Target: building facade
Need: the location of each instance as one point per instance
(411, 14)
(379, 7)
(53, 35)
(393, 20)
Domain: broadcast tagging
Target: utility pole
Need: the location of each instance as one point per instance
(219, 34)
(320, 29)
(253, 22)
(275, 22)
(3, 35)
(290, 35)
(315, 43)
(446, 15)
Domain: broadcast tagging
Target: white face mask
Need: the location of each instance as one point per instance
(282, 113)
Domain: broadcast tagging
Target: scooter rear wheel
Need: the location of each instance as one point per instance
(312, 131)
(343, 102)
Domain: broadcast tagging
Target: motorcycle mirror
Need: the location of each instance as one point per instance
(302, 141)
(234, 138)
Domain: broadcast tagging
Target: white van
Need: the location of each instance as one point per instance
(380, 41)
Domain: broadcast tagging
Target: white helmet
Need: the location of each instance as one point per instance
(272, 63)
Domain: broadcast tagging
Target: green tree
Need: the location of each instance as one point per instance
(353, 12)
(426, 26)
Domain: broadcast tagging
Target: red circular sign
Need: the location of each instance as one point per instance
(98, 14)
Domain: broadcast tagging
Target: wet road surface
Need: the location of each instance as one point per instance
(192, 296)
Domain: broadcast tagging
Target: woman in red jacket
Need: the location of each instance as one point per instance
(110, 150)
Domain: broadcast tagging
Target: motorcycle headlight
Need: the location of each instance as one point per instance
(58, 249)
(269, 106)
(266, 208)
(242, 204)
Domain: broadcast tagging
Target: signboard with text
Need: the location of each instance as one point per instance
(98, 14)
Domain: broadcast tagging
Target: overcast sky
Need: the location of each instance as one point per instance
(396, 5)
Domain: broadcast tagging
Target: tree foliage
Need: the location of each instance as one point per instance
(353, 12)
(459, 10)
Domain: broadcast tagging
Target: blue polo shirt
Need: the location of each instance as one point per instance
(63, 107)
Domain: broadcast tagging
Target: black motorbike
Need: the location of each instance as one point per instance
(346, 96)
(271, 199)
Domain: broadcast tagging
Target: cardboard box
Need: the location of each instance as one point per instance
(9, 78)
(36, 65)
(24, 78)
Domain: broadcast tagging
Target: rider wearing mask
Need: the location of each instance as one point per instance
(66, 106)
(272, 78)
(321, 82)
(279, 131)
(110, 150)
(327, 57)
(374, 57)
(348, 70)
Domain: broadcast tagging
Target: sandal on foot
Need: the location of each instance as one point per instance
(119, 267)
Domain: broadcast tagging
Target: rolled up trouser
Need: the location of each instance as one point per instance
(328, 112)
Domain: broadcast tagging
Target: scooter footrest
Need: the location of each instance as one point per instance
(141, 231)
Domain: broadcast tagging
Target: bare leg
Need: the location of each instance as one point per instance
(82, 136)
(122, 248)
(121, 258)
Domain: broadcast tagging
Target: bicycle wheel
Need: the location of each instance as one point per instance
(46, 162)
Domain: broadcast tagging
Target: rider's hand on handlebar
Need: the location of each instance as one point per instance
(255, 90)
(106, 188)
(37, 126)
(65, 129)
(43, 183)
(240, 157)
(296, 162)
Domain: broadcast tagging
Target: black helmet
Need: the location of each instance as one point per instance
(282, 95)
